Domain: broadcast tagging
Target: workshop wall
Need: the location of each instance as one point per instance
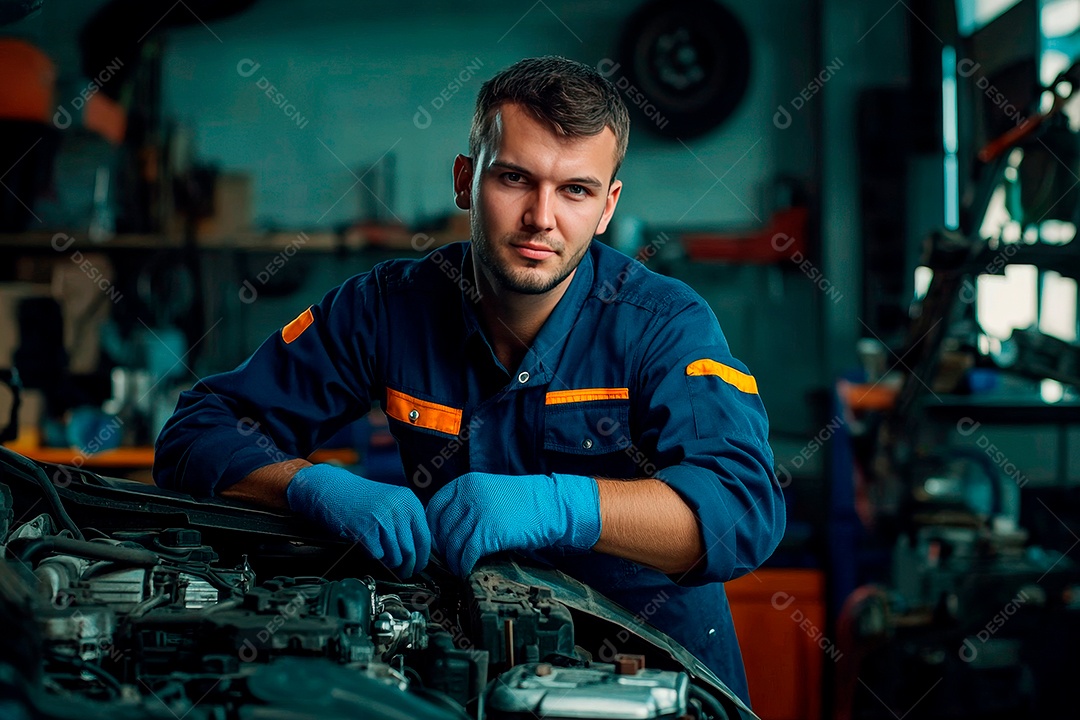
(352, 76)
(356, 74)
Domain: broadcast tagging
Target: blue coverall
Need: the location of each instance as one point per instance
(630, 377)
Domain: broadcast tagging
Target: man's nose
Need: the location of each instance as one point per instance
(540, 212)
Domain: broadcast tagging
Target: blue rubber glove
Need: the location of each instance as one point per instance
(387, 520)
(482, 513)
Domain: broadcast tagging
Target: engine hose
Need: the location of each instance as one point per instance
(147, 605)
(710, 703)
(106, 678)
(47, 488)
(29, 551)
(211, 577)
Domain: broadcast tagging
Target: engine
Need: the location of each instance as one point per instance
(139, 622)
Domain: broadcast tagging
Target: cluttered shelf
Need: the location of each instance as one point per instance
(1005, 409)
(62, 242)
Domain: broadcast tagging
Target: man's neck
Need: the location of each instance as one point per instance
(513, 320)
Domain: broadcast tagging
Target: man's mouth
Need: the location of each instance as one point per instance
(533, 251)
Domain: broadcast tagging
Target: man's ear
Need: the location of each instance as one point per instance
(463, 173)
(609, 206)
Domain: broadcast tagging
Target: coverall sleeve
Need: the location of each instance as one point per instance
(302, 385)
(706, 428)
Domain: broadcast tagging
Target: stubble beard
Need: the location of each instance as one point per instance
(524, 281)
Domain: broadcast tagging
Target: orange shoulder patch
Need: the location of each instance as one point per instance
(742, 381)
(293, 330)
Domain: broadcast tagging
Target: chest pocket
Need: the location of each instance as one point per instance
(587, 432)
(429, 435)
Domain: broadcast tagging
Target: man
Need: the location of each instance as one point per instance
(548, 394)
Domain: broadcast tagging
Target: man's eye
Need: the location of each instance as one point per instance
(512, 177)
(577, 189)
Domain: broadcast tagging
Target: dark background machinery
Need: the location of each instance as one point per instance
(969, 615)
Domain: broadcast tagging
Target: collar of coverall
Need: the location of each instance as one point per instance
(543, 357)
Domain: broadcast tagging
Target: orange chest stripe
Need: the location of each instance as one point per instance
(558, 397)
(421, 413)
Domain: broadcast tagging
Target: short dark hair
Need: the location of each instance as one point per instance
(575, 99)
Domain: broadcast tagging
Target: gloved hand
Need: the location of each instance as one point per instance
(482, 513)
(387, 520)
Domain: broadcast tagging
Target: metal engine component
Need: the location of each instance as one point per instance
(600, 691)
(198, 593)
(79, 632)
(58, 575)
(518, 622)
(122, 589)
(397, 629)
(282, 617)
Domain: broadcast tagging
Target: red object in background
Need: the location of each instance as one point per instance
(780, 239)
(779, 619)
(28, 82)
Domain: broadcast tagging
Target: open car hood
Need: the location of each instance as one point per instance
(132, 601)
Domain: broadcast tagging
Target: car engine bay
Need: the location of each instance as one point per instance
(121, 600)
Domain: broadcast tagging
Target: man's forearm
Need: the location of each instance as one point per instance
(266, 486)
(648, 522)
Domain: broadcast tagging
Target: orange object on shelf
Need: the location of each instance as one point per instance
(866, 396)
(779, 618)
(28, 83)
(126, 457)
(143, 457)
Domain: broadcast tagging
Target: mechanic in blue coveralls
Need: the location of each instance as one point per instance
(548, 394)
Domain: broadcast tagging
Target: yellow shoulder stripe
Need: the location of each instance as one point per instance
(730, 375)
(558, 397)
(293, 330)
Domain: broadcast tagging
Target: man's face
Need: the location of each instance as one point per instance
(536, 200)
